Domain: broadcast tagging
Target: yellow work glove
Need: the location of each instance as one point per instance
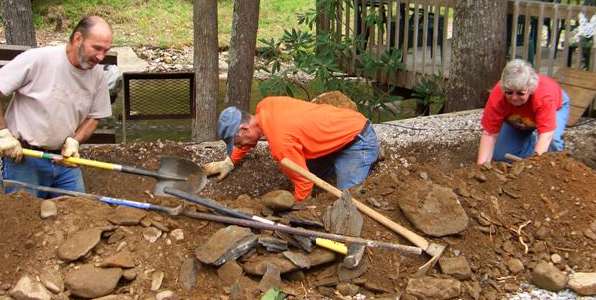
(70, 148)
(223, 168)
(10, 146)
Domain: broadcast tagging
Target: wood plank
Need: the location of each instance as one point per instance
(527, 26)
(435, 47)
(581, 89)
(538, 56)
(554, 40)
(548, 8)
(514, 28)
(8, 52)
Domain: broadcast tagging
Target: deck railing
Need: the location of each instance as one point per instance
(422, 29)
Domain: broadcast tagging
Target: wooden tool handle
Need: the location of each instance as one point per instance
(409, 235)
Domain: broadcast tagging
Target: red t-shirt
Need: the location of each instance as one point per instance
(538, 113)
(301, 130)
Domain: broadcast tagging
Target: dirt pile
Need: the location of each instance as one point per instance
(547, 204)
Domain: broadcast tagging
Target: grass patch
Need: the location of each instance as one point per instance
(163, 23)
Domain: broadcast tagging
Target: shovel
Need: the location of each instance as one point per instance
(173, 172)
(173, 211)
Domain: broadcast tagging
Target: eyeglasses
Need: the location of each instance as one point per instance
(517, 93)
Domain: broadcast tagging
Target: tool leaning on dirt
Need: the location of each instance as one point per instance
(174, 172)
(179, 210)
(329, 244)
(433, 249)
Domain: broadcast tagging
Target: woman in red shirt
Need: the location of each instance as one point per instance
(525, 114)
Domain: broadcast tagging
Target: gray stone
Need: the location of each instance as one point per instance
(278, 200)
(123, 259)
(258, 266)
(166, 295)
(91, 282)
(151, 234)
(48, 209)
(457, 267)
(79, 244)
(343, 217)
(548, 277)
(433, 288)
(157, 280)
(229, 273)
(347, 274)
(435, 210)
(188, 273)
(28, 289)
(127, 216)
(514, 265)
(271, 279)
(347, 289)
(226, 244)
(583, 283)
(52, 280)
(298, 259)
(272, 244)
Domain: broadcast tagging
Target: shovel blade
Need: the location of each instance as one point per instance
(183, 168)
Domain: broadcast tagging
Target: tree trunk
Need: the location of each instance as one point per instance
(478, 52)
(242, 53)
(18, 22)
(206, 70)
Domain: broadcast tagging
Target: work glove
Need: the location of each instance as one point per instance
(10, 146)
(70, 148)
(223, 168)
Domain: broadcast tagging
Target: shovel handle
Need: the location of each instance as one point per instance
(408, 234)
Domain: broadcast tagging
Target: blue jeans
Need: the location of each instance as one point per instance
(42, 172)
(522, 142)
(352, 164)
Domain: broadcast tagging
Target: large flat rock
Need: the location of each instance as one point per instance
(435, 210)
(79, 244)
(226, 244)
(91, 282)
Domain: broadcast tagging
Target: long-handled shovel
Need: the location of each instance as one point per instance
(179, 210)
(173, 172)
(173, 211)
(432, 249)
(329, 244)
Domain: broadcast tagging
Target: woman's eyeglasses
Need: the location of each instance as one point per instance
(517, 93)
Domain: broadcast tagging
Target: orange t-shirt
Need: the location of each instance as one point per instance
(300, 131)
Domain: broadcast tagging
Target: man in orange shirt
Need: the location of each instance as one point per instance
(323, 138)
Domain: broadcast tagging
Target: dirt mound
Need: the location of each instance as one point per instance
(546, 203)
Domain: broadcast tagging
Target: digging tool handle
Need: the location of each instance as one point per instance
(512, 157)
(411, 236)
(100, 164)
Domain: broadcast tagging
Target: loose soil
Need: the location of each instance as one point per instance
(545, 203)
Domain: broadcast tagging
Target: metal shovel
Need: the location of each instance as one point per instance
(173, 172)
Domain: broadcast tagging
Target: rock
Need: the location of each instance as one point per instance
(457, 267)
(514, 265)
(48, 209)
(226, 244)
(52, 280)
(177, 234)
(548, 277)
(347, 289)
(375, 287)
(433, 288)
(79, 244)
(590, 234)
(156, 280)
(297, 258)
(435, 211)
(271, 279)
(91, 282)
(166, 295)
(337, 99)
(151, 234)
(473, 289)
(129, 274)
(342, 217)
(188, 273)
(556, 258)
(542, 233)
(229, 273)
(326, 291)
(117, 236)
(127, 216)
(295, 276)
(583, 283)
(121, 259)
(345, 274)
(278, 200)
(28, 289)
(114, 297)
(272, 244)
(258, 266)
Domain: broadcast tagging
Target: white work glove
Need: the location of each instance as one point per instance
(10, 146)
(70, 148)
(223, 168)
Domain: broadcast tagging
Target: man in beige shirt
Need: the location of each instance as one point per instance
(60, 93)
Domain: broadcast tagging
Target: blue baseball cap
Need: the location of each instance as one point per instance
(227, 126)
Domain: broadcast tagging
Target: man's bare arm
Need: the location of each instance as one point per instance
(85, 130)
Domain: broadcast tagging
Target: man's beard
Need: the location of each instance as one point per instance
(84, 62)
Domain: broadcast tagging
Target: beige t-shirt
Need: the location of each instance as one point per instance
(51, 96)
